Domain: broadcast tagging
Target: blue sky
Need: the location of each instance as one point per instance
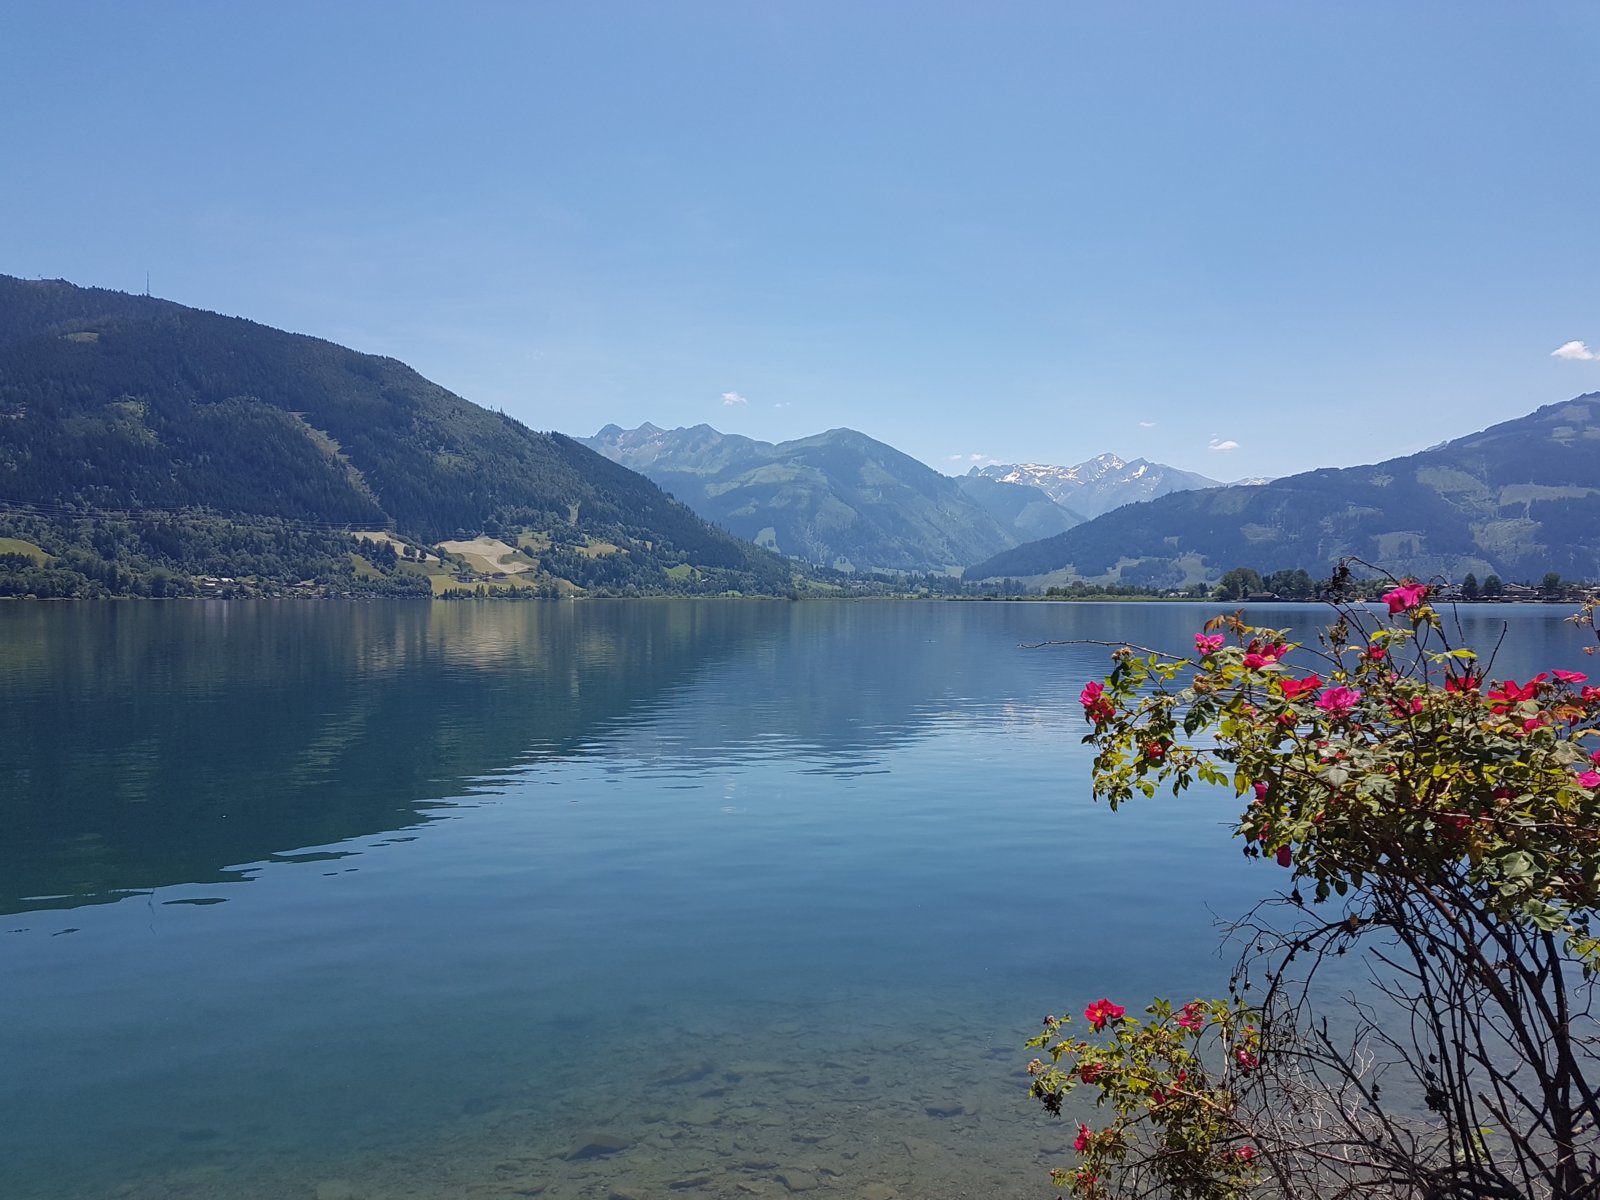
(1240, 238)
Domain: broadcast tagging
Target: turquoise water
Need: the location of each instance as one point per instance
(600, 899)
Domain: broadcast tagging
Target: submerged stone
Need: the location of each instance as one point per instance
(596, 1145)
(690, 1074)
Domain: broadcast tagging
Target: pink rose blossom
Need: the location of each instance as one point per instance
(1405, 597)
(1293, 689)
(1571, 676)
(1337, 701)
(1095, 705)
(1511, 692)
(1207, 644)
(1262, 656)
(1101, 1011)
(1590, 779)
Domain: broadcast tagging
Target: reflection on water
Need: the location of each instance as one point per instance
(573, 899)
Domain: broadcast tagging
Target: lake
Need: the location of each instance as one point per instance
(603, 899)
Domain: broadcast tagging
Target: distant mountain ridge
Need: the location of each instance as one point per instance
(1517, 500)
(1099, 484)
(127, 405)
(839, 498)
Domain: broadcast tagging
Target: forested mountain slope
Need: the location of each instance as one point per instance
(840, 498)
(114, 405)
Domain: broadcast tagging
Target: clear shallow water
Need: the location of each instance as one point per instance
(575, 899)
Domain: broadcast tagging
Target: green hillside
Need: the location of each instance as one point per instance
(142, 432)
(838, 499)
(1516, 500)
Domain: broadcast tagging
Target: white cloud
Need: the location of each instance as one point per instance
(1147, 424)
(1576, 352)
(733, 398)
(1223, 444)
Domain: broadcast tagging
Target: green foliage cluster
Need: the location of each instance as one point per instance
(1288, 584)
(1449, 822)
(1080, 590)
(163, 556)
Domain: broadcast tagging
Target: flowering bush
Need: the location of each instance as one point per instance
(1447, 823)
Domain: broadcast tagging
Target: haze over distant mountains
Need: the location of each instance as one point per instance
(846, 500)
(1517, 500)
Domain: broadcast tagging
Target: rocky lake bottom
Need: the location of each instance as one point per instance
(881, 1112)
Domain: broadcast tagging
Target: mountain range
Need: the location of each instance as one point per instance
(1517, 500)
(846, 500)
(138, 431)
(1099, 484)
(840, 498)
(144, 444)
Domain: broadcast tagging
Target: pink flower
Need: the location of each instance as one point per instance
(1260, 789)
(1205, 644)
(1293, 689)
(1405, 597)
(1570, 676)
(1246, 1060)
(1101, 1011)
(1337, 701)
(1090, 1072)
(1406, 708)
(1595, 758)
(1377, 653)
(1192, 1018)
(1156, 751)
(1285, 856)
(1261, 656)
(1590, 780)
(1510, 692)
(1082, 1142)
(1095, 705)
(1245, 1153)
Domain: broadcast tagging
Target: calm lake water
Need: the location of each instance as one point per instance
(609, 899)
